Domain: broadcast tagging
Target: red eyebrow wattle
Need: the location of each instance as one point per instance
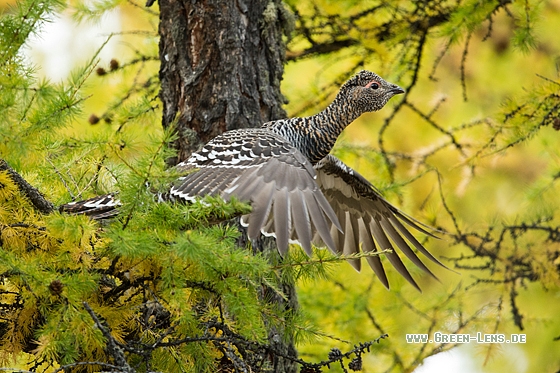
(371, 83)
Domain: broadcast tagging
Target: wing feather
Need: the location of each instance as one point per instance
(368, 219)
(403, 246)
(368, 246)
(351, 239)
(414, 241)
(262, 168)
(319, 221)
(302, 224)
(394, 259)
(282, 220)
(261, 207)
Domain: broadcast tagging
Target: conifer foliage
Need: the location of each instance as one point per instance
(141, 293)
(173, 288)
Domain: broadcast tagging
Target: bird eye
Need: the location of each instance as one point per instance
(373, 85)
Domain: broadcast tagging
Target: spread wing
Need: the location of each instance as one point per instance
(263, 168)
(367, 218)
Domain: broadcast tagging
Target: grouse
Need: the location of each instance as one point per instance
(299, 193)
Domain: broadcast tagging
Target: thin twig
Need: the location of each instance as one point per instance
(61, 178)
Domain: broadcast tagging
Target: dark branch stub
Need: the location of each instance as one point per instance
(34, 196)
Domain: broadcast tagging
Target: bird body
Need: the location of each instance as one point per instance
(298, 192)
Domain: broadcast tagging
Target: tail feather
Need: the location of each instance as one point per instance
(98, 208)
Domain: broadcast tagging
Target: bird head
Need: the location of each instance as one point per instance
(367, 91)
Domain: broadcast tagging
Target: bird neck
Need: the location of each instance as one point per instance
(316, 135)
(334, 118)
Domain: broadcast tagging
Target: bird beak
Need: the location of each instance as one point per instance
(396, 89)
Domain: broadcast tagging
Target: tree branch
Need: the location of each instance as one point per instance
(322, 48)
(36, 198)
(112, 346)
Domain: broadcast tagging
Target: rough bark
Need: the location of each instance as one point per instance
(221, 67)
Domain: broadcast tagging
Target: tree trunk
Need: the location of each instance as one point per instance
(221, 67)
